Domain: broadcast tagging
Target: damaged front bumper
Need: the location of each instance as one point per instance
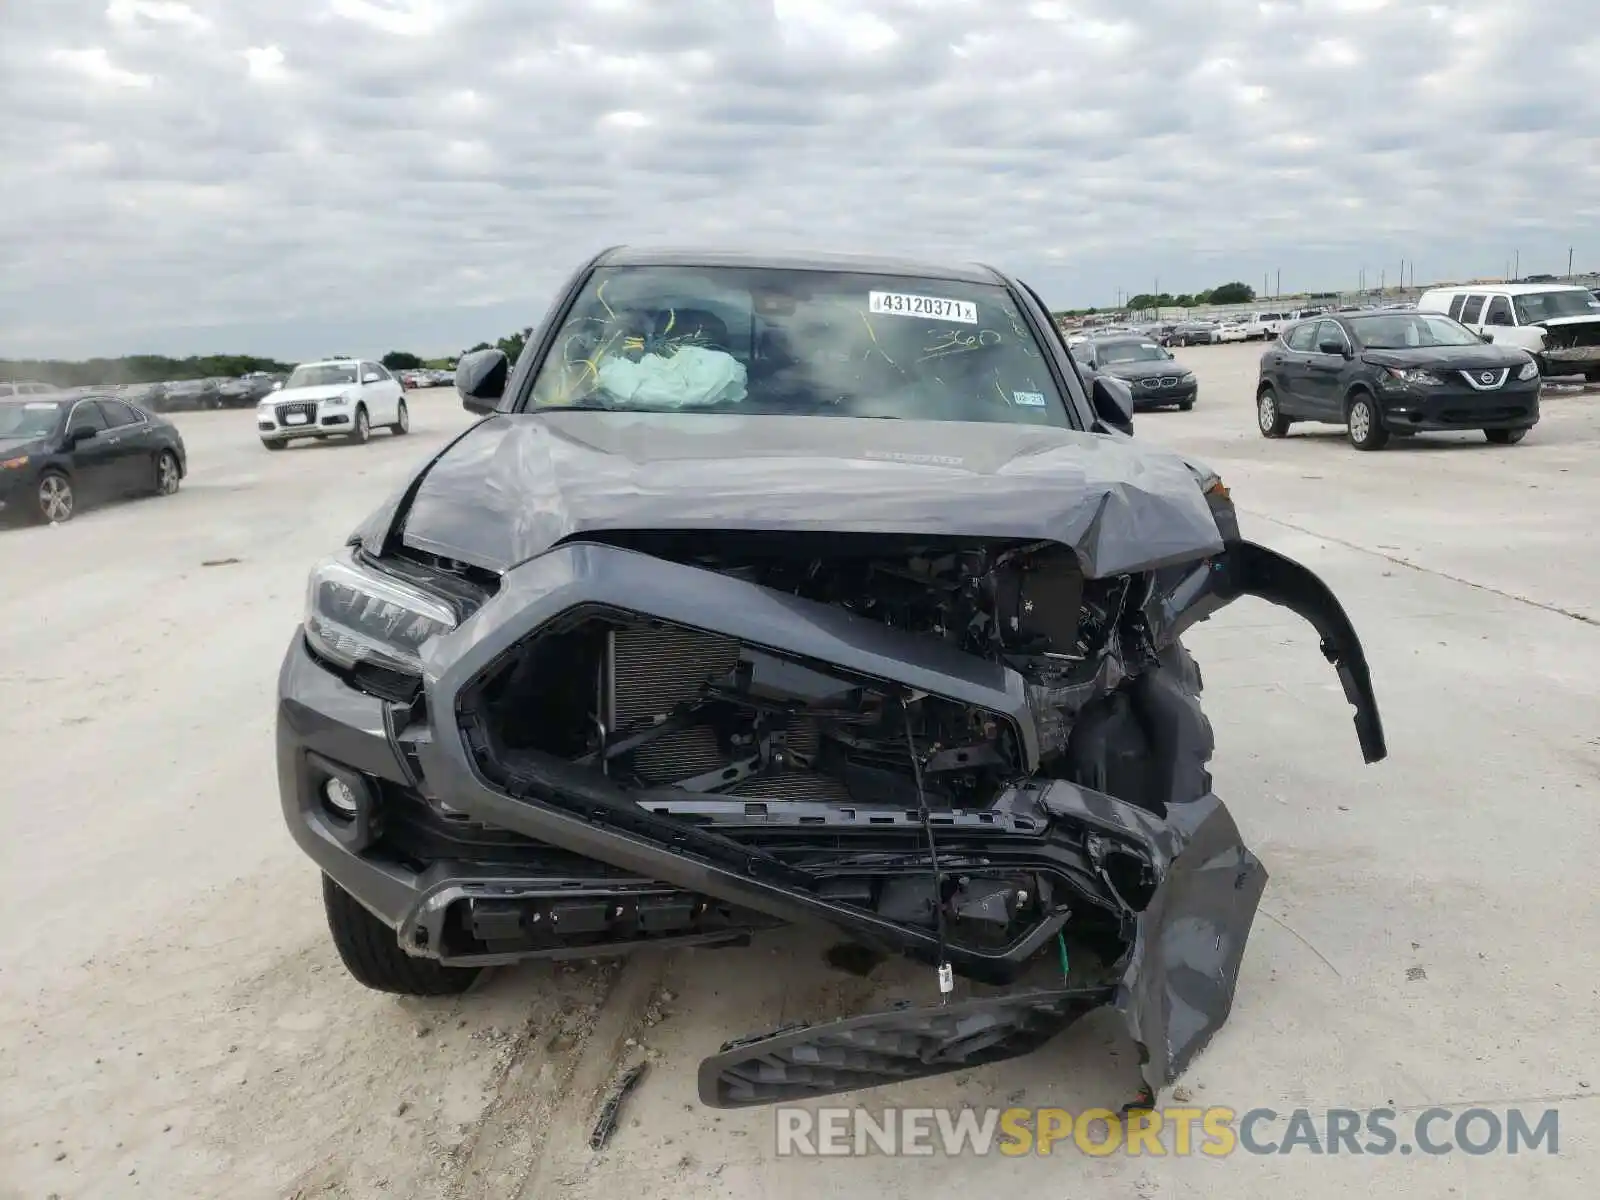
(476, 862)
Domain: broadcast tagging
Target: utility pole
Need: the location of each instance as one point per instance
(1569, 264)
(1278, 290)
(1516, 264)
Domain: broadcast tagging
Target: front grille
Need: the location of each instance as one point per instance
(1472, 417)
(1164, 381)
(1486, 381)
(306, 408)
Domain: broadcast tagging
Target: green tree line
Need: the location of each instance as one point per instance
(1226, 293)
(511, 345)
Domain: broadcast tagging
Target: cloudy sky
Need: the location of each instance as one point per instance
(298, 177)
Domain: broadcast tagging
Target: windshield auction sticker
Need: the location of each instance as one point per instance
(902, 304)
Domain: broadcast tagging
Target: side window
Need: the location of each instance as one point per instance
(87, 414)
(1456, 302)
(1472, 310)
(374, 369)
(118, 414)
(1299, 337)
(8, 389)
(1329, 331)
(1498, 312)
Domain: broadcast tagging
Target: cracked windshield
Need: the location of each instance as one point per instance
(798, 343)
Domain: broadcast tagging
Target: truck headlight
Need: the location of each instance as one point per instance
(355, 615)
(1530, 370)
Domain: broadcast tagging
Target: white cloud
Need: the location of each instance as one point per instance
(407, 18)
(264, 62)
(95, 63)
(131, 14)
(435, 157)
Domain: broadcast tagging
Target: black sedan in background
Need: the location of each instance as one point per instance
(58, 454)
(1156, 378)
(247, 390)
(1381, 374)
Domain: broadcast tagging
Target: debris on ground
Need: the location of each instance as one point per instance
(606, 1123)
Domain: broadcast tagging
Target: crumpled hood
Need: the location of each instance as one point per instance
(516, 484)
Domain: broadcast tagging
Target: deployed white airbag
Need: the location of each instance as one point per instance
(693, 375)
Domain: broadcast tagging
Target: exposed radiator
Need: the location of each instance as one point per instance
(650, 672)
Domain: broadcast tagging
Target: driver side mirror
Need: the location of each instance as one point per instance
(1486, 336)
(1113, 403)
(372, 377)
(1331, 346)
(79, 434)
(481, 380)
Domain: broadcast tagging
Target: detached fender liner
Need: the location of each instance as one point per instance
(804, 1062)
(1246, 569)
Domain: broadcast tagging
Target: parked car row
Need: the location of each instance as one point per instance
(426, 378)
(62, 448)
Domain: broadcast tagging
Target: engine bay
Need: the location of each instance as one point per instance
(662, 709)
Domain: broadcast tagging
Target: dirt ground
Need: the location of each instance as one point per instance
(174, 1022)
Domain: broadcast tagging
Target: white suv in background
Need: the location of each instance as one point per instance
(1558, 324)
(344, 397)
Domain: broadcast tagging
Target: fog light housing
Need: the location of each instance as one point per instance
(343, 803)
(340, 799)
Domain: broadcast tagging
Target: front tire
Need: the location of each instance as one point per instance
(1269, 417)
(1505, 437)
(274, 444)
(169, 476)
(371, 953)
(402, 421)
(1363, 424)
(362, 433)
(54, 501)
(1186, 406)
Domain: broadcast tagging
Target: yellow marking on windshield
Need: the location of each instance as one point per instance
(873, 334)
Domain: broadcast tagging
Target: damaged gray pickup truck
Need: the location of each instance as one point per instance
(780, 590)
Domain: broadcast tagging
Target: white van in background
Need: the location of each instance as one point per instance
(1556, 323)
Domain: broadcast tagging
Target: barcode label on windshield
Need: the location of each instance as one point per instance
(902, 304)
